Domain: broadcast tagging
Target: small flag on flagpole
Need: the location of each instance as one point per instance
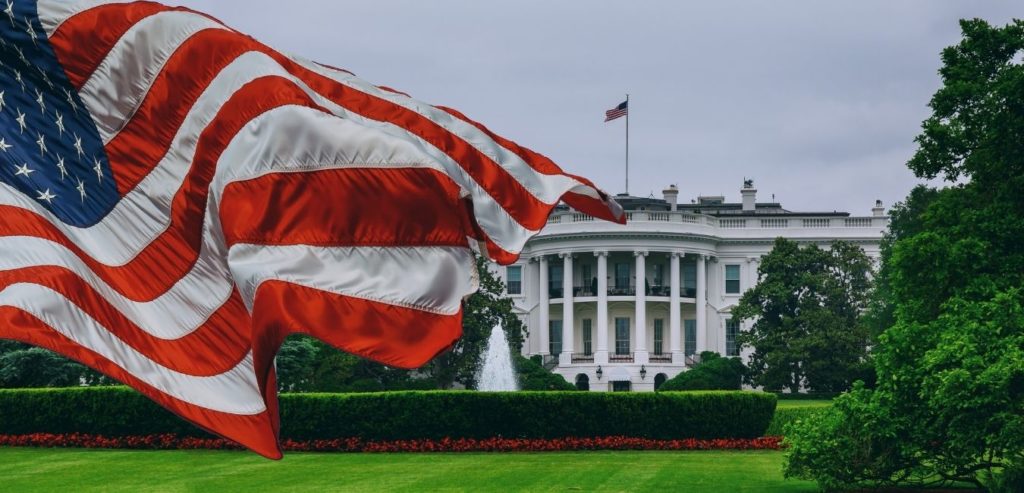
(617, 112)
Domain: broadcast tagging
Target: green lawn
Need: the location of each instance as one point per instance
(25, 469)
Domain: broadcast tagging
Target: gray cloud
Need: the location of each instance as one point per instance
(818, 101)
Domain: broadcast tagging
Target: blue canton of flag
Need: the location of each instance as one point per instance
(50, 150)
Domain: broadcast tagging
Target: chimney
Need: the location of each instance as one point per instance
(671, 195)
(749, 194)
(878, 209)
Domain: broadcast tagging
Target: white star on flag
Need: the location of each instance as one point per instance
(81, 189)
(78, 146)
(31, 31)
(23, 170)
(17, 77)
(47, 196)
(21, 120)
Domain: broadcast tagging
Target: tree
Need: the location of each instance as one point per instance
(949, 405)
(22, 365)
(482, 312)
(714, 372)
(294, 364)
(533, 376)
(807, 307)
(37, 367)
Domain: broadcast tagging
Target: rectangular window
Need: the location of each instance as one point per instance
(690, 337)
(622, 277)
(555, 281)
(555, 337)
(514, 279)
(659, 275)
(689, 280)
(588, 345)
(732, 279)
(622, 335)
(659, 336)
(588, 283)
(732, 329)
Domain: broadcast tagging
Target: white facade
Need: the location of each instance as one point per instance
(577, 282)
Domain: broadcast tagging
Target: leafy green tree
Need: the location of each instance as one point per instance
(37, 367)
(533, 376)
(807, 307)
(294, 363)
(714, 372)
(482, 312)
(950, 361)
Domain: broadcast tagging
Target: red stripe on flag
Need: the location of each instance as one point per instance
(346, 207)
(389, 334)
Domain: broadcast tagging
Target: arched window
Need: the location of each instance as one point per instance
(659, 379)
(582, 382)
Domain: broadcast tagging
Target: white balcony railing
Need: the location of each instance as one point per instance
(731, 223)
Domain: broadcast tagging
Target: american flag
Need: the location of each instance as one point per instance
(617, 112)
(176, 198)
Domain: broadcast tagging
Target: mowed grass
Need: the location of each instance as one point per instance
(27, 469)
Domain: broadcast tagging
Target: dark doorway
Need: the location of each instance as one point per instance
(659, 379)
(622, 386)
(582, 382)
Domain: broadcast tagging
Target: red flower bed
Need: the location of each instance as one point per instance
(166, 442)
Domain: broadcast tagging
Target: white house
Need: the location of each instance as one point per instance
(599, 324)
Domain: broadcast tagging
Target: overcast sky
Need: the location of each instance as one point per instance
(818, 102)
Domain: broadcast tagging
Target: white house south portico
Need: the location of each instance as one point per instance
(625, 307)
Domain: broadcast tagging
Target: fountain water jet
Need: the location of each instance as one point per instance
(497, 373)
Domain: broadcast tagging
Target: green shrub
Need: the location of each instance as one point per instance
(806, 396)
(414, 414)
(786, 415)
(713, 373)
(533, 376)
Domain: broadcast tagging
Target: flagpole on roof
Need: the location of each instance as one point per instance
(627, 143)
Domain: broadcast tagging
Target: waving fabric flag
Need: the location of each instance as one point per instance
(176, 198)
(617, 112)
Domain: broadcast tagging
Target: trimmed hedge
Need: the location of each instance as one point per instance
(786, 415)
(118, 411)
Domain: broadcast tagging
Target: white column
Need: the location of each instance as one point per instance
(702, 304)
(641, 307)
(675, 336)
(544, 306)
(752, 263)
(567, 311)
(601, 355)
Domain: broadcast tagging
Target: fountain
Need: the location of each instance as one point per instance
(497, 373)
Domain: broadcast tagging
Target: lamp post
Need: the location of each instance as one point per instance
(643, 372)
(600, 372)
